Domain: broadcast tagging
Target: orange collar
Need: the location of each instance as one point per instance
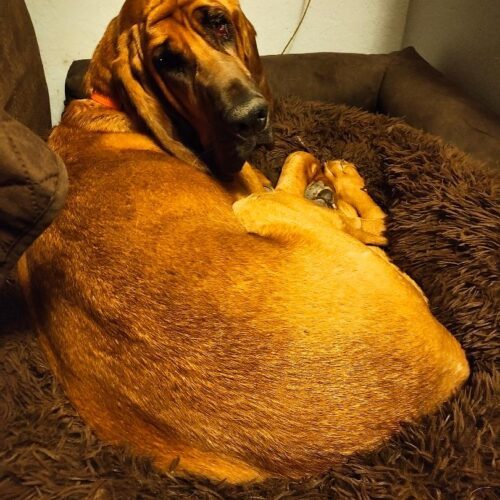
(105, 101)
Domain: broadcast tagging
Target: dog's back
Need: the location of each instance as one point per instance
(173, 330)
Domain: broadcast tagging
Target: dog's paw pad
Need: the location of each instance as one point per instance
(321, 194)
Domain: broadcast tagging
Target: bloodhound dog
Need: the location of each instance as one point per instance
(195, 314)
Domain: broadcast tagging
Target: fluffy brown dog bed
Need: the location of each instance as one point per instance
(443, 231)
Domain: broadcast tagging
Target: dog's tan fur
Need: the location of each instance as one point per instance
(254, 340)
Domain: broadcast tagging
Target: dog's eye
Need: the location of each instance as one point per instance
(217, 23)
(165, 59)
(222, 27)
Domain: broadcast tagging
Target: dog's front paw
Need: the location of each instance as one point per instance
(343, 175)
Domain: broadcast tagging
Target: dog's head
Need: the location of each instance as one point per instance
(191, 70)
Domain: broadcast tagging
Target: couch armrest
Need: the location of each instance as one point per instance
(23, 89)
(414, 90)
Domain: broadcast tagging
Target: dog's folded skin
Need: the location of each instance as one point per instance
(262, 340)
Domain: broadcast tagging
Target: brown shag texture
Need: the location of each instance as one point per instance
(443, 231)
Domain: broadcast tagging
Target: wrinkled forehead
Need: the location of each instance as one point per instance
(138, 11)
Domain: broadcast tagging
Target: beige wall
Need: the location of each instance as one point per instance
(70, 29)
(461, 38)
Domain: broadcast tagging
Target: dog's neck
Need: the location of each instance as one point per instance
(105, 101)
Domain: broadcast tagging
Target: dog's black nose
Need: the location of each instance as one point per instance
(250, 118)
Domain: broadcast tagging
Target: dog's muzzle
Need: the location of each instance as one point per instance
(249, 119)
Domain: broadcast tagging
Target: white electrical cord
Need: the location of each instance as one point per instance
(292, 38)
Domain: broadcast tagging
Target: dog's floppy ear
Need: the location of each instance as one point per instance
(249, 53)
(132, 12)
(99, 76)
(130, 73)
(118, 59)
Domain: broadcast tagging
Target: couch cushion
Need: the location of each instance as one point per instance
(23, 89)
(352, 79)
(414, 90)
(400, 84)
(33, 186)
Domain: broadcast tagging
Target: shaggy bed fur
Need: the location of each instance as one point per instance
(443, 231)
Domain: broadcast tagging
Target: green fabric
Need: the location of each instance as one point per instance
(33, 185)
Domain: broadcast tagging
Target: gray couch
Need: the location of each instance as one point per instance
(33, 180)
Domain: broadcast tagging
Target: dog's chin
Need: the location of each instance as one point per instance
(225, 163)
